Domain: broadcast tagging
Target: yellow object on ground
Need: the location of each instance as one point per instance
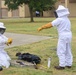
(41, 66)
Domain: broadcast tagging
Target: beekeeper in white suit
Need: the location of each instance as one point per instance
(4, 58)
(63, 25)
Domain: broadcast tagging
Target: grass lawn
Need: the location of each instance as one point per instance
(44, 49)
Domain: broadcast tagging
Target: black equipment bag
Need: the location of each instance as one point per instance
(29, 57)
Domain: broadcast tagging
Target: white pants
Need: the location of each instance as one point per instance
(4, 59)
(64, 50)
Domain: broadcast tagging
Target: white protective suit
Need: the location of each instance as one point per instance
(4, 58)
(65, 36)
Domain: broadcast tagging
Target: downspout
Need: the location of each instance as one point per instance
(0, 10)
(66, 3)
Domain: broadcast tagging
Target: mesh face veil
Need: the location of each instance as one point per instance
(55, 13)
(2, 30)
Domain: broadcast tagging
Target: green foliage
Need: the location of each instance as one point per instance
(41, 5)
(33, 4)
(13, 4)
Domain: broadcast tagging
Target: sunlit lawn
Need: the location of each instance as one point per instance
(44, 49)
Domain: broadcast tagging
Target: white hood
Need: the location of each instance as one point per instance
(62, 11)
(2, 25)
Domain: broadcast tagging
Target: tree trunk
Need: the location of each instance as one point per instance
(31, 14)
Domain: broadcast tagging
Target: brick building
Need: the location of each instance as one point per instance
(21, 12)
(24, 11)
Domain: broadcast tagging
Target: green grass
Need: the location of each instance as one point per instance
(24, 26)
(43, 49)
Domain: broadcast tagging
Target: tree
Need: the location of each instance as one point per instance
(39, 5)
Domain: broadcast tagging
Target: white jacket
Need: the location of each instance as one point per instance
(4, 58)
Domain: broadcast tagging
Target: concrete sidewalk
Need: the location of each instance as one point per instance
(21, 39)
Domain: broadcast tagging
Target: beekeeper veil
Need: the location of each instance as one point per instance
(61, 11)
(2, 28)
